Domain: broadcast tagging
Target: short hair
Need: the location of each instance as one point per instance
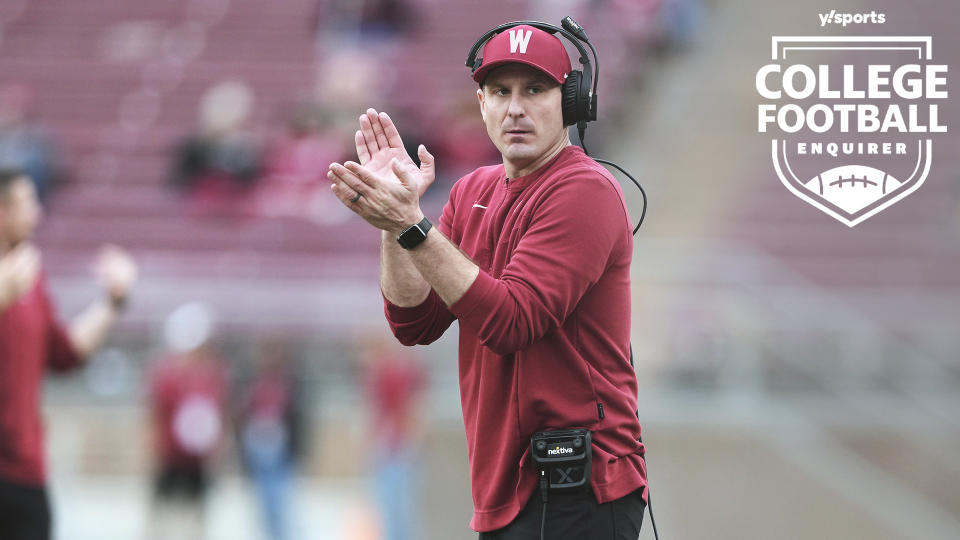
(8, 177)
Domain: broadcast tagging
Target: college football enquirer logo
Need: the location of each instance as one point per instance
(852, 119)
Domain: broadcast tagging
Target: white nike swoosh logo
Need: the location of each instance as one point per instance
(476, 205)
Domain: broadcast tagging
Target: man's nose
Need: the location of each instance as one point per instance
(516, 105)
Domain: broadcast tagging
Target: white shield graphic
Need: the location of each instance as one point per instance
(858, 179)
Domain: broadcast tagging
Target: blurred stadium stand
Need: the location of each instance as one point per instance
(119, 82)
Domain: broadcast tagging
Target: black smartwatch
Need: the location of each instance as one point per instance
(412, 236)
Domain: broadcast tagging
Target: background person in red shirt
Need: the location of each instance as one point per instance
(188, 398)
(31, 341)
(533, 258)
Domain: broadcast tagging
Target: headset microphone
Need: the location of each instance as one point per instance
(574, 28)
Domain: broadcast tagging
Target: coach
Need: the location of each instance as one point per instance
(533, 258)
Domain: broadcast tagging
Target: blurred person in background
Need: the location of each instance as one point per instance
(25, 144)
(270, 426)
(362, 23)
(394, 383)
(463, 145)
(217, 165)
(32, 341)
(532, 257)
(294, 182)
(350, 78)
(188, 398)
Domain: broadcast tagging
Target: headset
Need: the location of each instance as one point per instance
(579, 101)
(579, 91)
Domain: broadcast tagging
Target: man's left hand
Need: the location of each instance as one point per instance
(383, 202)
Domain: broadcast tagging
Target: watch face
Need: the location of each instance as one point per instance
(412, 236)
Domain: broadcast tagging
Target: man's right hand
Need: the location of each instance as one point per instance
(19, 270)
(378, 142)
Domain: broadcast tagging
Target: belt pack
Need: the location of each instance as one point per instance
(562, 458)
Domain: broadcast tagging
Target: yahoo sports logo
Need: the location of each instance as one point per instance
(852, 118)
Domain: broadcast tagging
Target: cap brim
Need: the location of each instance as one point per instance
(481, 73)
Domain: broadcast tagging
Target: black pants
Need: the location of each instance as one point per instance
(576, 516)
(187, 482)
(24, 512)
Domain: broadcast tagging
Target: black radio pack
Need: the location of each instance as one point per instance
(562, 458)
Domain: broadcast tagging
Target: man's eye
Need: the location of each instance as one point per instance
(501, 91)
(534, 89)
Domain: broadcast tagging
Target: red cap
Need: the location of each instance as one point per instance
(526, 45)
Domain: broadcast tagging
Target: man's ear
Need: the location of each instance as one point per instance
(483, 107)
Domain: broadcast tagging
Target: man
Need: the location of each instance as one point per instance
(31, 340)
(533, 258)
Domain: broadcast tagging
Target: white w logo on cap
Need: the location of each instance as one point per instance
(519, 40)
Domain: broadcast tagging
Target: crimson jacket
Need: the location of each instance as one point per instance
(544, 329)
(31, 341)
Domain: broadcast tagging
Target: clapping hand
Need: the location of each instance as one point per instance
(378, 142)
(385, 187)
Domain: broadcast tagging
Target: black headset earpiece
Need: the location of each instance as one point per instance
(585, 111)
(577, 105)
(571, 97)
(579, 101)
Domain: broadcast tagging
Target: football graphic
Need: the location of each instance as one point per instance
(852, 187)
